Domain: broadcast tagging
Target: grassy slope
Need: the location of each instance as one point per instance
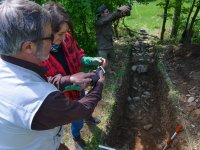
(146, 17)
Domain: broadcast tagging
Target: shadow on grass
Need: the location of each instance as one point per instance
(97, 136)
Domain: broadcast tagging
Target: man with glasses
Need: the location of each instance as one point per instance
(104, 31)
(33, 111)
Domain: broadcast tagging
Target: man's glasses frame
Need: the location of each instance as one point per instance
(51, 38)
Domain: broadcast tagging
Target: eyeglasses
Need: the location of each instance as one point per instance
(51, 38)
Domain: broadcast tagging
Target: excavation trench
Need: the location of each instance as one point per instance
(144, 115)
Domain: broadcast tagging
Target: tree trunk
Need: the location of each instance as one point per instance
(189, 15)
(164, 19)
(188, 35)
(176, 18)
(187, 22)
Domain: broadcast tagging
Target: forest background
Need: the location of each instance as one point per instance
(177, 21)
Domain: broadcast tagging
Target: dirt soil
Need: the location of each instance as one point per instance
(145, 117)
(184, 70)
(138, 120)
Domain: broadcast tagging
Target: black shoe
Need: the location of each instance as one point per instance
(93, 120)
(79, 144)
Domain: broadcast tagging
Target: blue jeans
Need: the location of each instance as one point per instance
(76, 126)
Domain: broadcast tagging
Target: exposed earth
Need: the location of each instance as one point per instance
(146, 115)
(151, 103)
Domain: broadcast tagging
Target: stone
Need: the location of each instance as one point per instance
(129, 98)
(132, 107)
(143, 96)
(190, 99)
(135, 88)
(134, 68)
(193, 104)
(136, 43)
(142, 69)
(136, 98)
(148, 94)
(196, 114)
(148, 127)
(152, 100)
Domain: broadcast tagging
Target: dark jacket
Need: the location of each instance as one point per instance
(57, 110)
(104, 32)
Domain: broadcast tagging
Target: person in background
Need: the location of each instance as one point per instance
(104, 31)
(66, 58)
(33, 111)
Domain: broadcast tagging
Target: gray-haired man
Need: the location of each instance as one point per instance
(32, 111)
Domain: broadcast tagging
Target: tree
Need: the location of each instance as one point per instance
(176, 18)
(164, 19)
(188, 31)
(189, 14)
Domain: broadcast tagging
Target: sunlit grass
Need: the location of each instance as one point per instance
(148, 17)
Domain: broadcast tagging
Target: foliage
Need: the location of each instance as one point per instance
(185, 22)
(196, 36)
(148, 17)
(83, 15)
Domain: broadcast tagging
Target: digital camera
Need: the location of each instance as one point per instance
(129, 12)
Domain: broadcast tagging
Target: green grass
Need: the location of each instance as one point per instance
(149, 17)
(146, 17)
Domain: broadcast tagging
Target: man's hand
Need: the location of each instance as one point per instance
(84, 86)
(101, 60)
(124, 9)
(81, 77)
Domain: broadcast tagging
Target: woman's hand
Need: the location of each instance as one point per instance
(81, 77)
(101, 60)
